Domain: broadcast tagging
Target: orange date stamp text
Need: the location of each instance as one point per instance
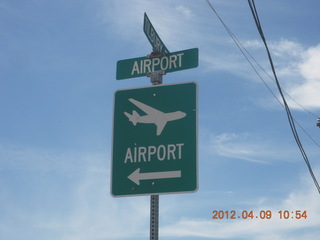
(262, 214)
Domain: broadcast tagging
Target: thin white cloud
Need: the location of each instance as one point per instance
(297, 70)
(180, 28)
(16, 157)
(96, 215)
(301, 199)
(286, 48)
(185, 11)
(245, 146)
(126, 18)
(72, 201)
(311, 62)
(176, 23)
(307, 91)
(233, 146)
(91, 213)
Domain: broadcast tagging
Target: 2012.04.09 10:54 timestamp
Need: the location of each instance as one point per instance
(263, 214)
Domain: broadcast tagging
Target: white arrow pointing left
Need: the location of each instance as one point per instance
(136, 176)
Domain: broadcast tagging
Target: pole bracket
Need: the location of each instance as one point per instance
(156, 77)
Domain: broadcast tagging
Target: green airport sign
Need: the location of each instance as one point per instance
(176, 61)
(155, 140)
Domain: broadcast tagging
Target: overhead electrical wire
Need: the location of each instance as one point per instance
(247, 54)
(308, 111)
(289, 115)
(244, 51)
(284, 104)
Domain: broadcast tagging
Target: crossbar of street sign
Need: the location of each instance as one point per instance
(153, 36)
(176, 61)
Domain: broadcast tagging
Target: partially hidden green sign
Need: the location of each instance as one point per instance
(155, 140)
(153, 36)
(176, 61)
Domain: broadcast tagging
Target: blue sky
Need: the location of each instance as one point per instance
(57, 80)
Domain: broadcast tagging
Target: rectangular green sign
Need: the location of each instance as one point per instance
(155, 140)
(153, 36)
(176, 61)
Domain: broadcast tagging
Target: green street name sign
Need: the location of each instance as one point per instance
(155, 140)
(176, 61)
(153, 36)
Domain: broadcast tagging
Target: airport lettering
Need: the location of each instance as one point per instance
(148, 153)
(147, 65)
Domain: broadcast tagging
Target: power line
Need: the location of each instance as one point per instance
(289, 115)
(244, 51)
(285, 105)
(300, 105)
(247, 54)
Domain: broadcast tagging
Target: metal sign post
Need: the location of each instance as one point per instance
(154, 217)
(156, 79)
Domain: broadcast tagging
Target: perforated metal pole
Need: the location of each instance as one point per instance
(156, 79)
(154, 217)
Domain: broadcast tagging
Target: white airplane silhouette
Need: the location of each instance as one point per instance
(154, 116)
